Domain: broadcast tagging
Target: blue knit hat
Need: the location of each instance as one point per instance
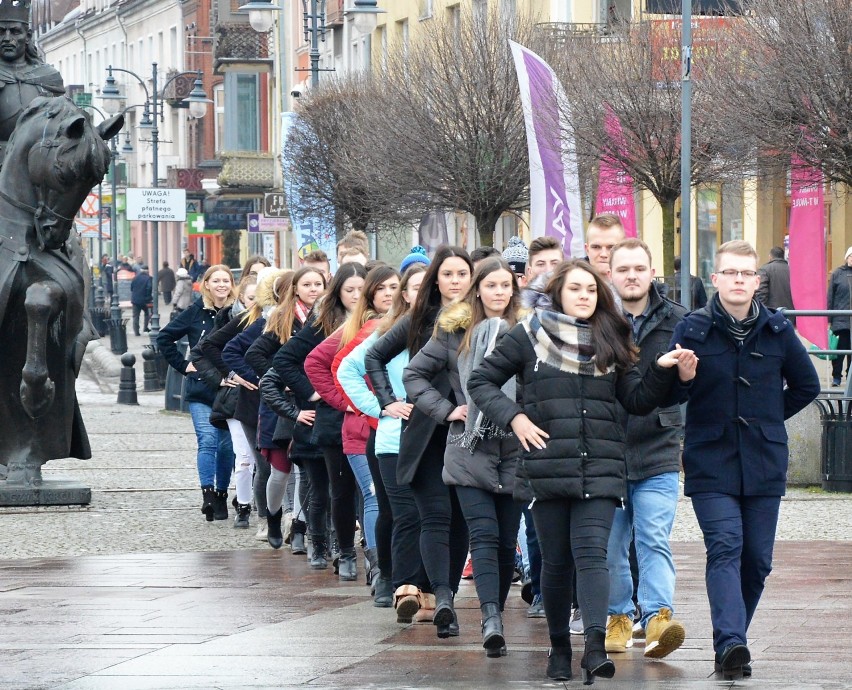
(516, 255)
(417, 256)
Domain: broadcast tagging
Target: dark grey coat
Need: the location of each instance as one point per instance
(840, 296)
(774, 289)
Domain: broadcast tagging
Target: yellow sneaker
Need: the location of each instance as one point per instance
(663, 635)
(619, 633)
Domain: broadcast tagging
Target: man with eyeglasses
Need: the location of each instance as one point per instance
(753, 374)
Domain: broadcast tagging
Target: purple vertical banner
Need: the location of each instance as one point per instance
(807, 250)
(615, 185)
(555, 209)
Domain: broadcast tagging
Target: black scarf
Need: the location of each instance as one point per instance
(739, 330)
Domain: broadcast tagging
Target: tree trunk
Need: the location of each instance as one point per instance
(668, 206)
(485, 228)
(231, 248)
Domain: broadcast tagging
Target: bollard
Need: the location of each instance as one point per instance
(127, 385)
(150, 375)
(118, 336)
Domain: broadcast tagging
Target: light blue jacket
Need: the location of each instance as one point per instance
(350, 375)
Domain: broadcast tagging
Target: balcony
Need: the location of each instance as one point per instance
(247, 169)
(241, 48)
(334, 13)
(556, 33)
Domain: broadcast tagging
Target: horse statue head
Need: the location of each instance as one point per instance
(54, 158)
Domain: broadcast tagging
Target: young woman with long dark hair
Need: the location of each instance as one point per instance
(575, 360)
(320, 451)
(443, 532)
(479, 461)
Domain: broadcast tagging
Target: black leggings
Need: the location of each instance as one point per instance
(574, 534)
(493, 521)
(343, 495)
(443, 531)
(384, 523)
(406, 563)
(318, 499)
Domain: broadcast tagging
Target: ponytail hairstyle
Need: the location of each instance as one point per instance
(400, 307)
(612, 339)
(331, 312)
(364, 310)
(477, 311)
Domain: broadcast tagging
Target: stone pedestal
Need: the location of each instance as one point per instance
(804, 433)
(49, 492)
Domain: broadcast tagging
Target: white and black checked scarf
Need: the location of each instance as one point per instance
(739, 330)
(562, 342)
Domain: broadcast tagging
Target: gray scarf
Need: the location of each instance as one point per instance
(477, 426)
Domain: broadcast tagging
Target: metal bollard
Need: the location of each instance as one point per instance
(127, 384)
(118, 335)
(150, 375)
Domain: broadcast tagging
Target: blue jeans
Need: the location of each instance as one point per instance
(215, 452)
(739, 535)
(647, 517)
(361, 470)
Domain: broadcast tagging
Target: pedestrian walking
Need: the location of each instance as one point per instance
(183, 294)
(479, 461)
(774, 289)
(575, 363)
(840, 297)
(443, 531)
(167, 282)
(754, 374)
(653, 468)
(141, 298)
(215, 457)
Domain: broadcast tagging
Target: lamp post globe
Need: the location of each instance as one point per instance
(364, 15)
(261, 14)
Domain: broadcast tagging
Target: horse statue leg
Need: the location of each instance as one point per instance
(44, 300)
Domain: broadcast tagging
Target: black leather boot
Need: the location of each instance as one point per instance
(220, 505)
(319, 553)
(348, 565)
(298, 529)
(595, 661)
(273, 530)
(444, 613)
(208, 494)
(492, 630)
(241, 520)
(373, 572)
(559, 658)
(383, 592)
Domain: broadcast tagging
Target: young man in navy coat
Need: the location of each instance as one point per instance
(753, 373)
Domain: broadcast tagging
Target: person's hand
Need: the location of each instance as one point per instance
(190, 368)
(239, 380)
(398, 409)
(459, 414)
(528, 433)
(227, 383)
(307, 417)
(685, 360)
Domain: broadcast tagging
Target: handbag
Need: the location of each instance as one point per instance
(224, 406)
(833, 343)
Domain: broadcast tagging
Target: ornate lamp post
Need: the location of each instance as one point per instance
(198, 103)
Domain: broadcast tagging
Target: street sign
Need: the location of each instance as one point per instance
(91, 205)
(88, 228)
(83, 99)
(156, 204)
(274, 205)
(196, 225)
(258, 223)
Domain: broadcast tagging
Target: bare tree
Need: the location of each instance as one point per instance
(788, 88)
(627, 70)
(445, 122)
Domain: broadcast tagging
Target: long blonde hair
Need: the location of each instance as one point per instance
(264, 296)
(207, 296)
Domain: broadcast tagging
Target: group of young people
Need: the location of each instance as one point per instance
(436, 405)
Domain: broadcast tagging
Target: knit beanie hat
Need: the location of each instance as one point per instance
(417, 256)
(516, 255)
(847, 254)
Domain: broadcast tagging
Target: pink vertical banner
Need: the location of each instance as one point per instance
(807, 250)
(615, 185)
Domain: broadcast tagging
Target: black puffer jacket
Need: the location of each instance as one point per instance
(840, 296)
(584, 456)
(653, 440)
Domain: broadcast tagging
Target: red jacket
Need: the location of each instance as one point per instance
(365, 332)
(318, 370)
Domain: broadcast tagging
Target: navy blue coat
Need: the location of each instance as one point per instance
(735, 439)
(140, 289)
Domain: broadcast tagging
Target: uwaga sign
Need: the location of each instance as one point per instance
(156, 204)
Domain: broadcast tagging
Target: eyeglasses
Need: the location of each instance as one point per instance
(731, 273)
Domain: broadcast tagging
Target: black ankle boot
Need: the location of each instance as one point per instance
(492, 630)
(383, 592)
(319, 554)
(220, 505)
(559, 658)
(241, 520)
(595, 661)
(444, 612)
(208, 494)
(273, 529)
(373, 572)
(298, 529)
(348, 565)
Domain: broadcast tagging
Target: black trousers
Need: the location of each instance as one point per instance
(318, 498)
(493, 521)
(140, 309)
(343, 495)
(843, 341)
(573, 535)
(406, 563)
(384, 523)
(443, 531)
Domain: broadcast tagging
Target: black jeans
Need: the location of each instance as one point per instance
(443, 531)
(842, 344)
(493, 521)
(138, 309)
(343, 495)
(318, 498)
(384, 523)
(573, 534)
(406, 563)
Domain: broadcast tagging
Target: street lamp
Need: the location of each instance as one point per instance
(197, 102)
(364, 15)
(261, 14)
